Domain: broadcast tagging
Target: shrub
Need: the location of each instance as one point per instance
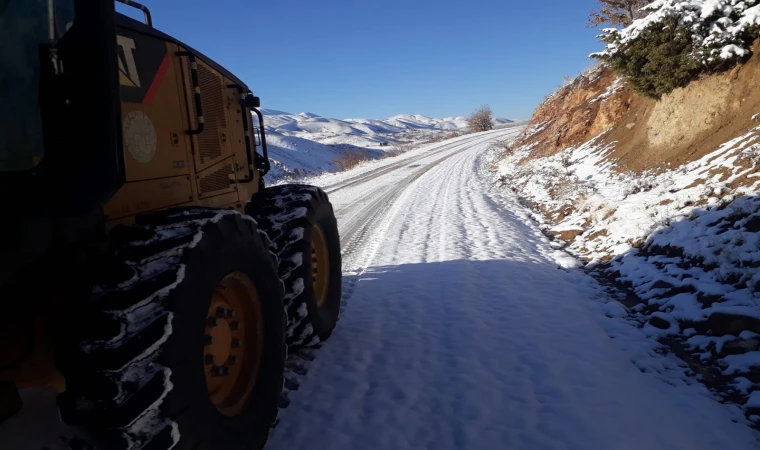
(480, 120)
(504, 146)
(679, 40)
(350, 159)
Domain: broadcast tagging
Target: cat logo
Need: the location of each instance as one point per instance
(143, 63)
(128, 75)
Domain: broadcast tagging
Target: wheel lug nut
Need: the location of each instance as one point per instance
(235, 343)
(230, 313)
(209, 359)
(232, 360)
(209, 340)
(234, 326)
(220, 371)
(221, 312)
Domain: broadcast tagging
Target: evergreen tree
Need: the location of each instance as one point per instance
(617, 12)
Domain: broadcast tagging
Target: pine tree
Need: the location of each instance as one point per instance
(617, 12)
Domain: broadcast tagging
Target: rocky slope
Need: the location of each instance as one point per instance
(661, 201)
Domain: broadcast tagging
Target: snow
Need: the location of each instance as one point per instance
(683, 239)
(306, 144)
(614, 309)
(754, 400)
(719, 28)
(459, 330)
(615, 87)
(294, 156)
(629, 207)
(742, 363)
(360, 132)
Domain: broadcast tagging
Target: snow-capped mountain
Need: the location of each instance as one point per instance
(308, 144)
(360, 132)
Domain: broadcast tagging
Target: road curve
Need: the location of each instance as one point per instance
(460, 331)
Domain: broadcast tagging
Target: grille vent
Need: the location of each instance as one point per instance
(217, 181)
(209, 142)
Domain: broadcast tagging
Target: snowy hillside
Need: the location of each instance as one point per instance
(682, 241)
(362, 132)
(307, 144)
(294, 156)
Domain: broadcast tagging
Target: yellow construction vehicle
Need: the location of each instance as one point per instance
(147, 273)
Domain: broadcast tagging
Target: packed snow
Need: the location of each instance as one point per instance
(461, 330)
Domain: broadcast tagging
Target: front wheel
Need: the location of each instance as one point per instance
(183, 347)
(301, 225)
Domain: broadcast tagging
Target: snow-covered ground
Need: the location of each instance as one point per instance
(293, 157)
(461, 330)
(306, 144)
(368, 133)
(683, 240)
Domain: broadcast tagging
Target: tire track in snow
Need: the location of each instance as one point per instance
(372, 216)
(354, 231)
(486, 345)
(376, 173)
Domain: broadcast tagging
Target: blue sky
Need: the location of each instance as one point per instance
(375, 59)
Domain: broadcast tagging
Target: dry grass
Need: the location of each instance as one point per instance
(350, 159)
(504, 145)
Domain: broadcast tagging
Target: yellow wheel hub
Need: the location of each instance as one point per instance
(234, 342)
(320, 267)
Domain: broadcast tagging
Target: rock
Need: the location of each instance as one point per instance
(724, 323)
(685, 289)
(659, 322)
(631, 125)
(708, 300)
(661, 284)
(741, 346)
(753, 225)
(566, 235)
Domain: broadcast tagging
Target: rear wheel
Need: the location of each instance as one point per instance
(185, 349)
(301, 225)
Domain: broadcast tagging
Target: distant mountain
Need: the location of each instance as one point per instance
(307, 144)
(359, 132)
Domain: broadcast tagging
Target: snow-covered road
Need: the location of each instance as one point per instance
(460, 331)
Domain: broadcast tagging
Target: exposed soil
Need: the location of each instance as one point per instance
(683, 126)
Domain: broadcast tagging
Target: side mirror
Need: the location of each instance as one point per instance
(252, 101)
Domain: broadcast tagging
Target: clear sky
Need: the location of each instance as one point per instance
(375, 59)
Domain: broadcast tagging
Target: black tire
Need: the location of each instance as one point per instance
(10, 400)
(288, 213)
(135, 371)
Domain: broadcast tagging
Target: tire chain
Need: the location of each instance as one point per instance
(133, 322)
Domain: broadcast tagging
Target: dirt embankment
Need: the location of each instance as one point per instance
(683, 126)
(661, 200)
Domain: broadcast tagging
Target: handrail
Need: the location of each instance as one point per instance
(247, 133)
(266, 167)
(143, 8)
(196, 92)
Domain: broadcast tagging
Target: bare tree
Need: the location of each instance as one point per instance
(617, 12)
(481, 119)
